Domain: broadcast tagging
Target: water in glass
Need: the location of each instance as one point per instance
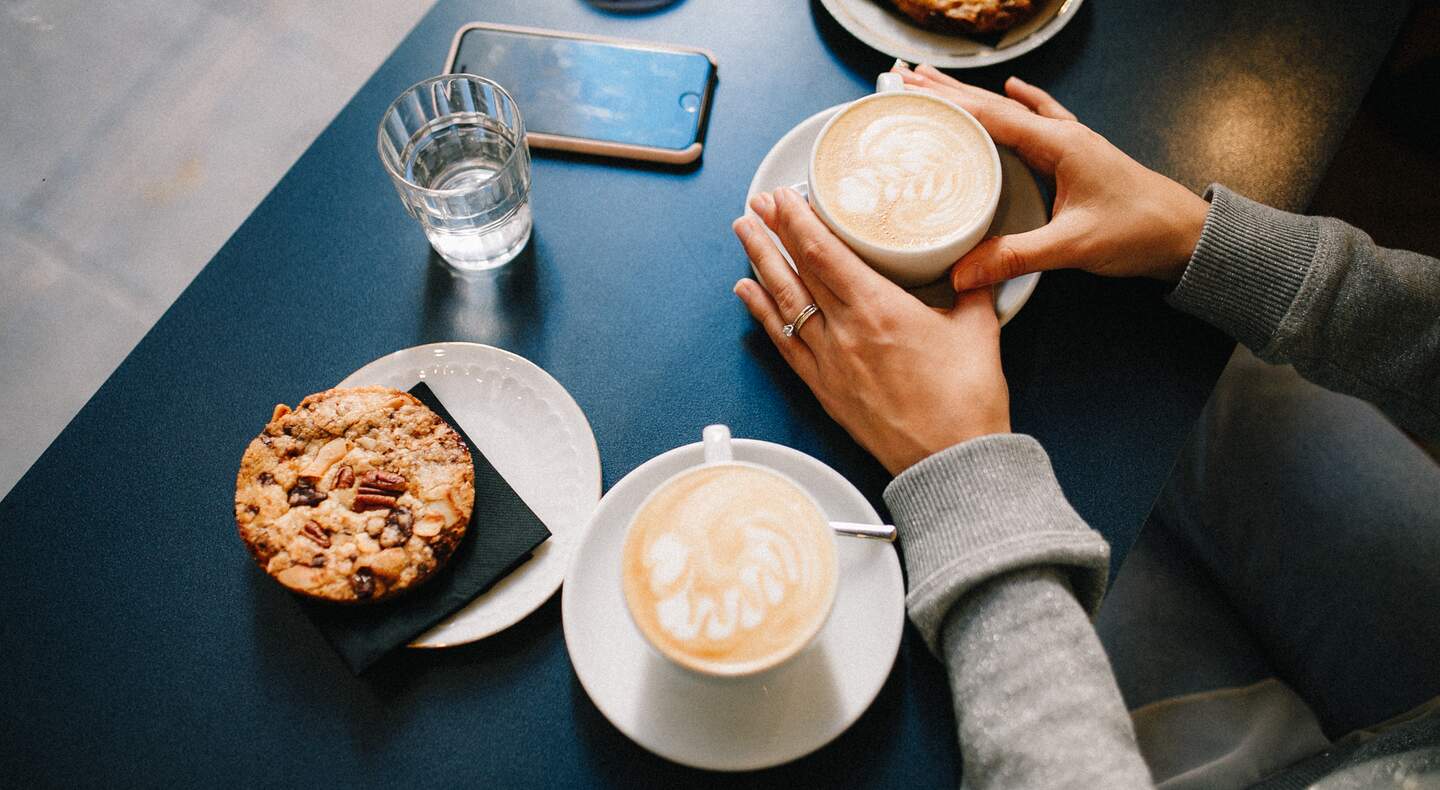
(455, 148)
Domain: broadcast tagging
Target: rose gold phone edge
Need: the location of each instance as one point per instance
(582, 145)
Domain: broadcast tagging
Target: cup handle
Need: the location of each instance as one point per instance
(716, 439)
(889, 82)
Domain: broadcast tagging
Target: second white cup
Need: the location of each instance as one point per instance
(729, 569)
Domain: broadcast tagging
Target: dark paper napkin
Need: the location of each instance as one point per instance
(502, 533)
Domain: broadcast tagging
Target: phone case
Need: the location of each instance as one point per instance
(583, 145)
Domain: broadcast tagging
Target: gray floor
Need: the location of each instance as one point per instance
(137, 137)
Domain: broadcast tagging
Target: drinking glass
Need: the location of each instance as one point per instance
(455, 147)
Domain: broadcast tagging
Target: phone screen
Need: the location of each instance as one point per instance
(594, 90)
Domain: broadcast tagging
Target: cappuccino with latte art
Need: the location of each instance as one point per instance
(905, 171)
(729, 569)
(909, 181)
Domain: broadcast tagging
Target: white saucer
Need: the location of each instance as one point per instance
(537, 438)
(886, 29)
(1022, 207)
(735, 725)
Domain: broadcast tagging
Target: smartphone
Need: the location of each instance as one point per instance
(611, 97)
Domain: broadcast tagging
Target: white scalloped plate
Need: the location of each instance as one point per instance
(537, 437)
(882, 27)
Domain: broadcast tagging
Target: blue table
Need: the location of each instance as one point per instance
(140, 644)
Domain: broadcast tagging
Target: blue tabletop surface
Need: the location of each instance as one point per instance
(142, 646)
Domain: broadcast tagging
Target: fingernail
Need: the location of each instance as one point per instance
(738, 285)
(963, 280)
(761, 203)
(900, 64)
(1017, 79)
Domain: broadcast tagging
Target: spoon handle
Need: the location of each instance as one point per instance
(885, 532)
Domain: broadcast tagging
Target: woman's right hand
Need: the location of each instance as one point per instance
(1112, 215)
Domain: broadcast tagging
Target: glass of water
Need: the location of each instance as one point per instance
(455, 147)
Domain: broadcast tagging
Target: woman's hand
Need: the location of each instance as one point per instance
(1112, 215)
(904, 379)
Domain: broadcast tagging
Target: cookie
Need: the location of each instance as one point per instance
(968, 16)
(357, 495)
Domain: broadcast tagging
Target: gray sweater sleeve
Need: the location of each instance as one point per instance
(1321, 295)
(1002, 571)
(999, 566)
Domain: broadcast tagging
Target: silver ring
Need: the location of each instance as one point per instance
(794, 326)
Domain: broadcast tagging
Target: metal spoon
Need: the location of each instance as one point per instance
(885, 532)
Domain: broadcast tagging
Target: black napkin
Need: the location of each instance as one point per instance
(502, 533)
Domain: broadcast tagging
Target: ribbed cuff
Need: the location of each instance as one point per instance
(983, 508)
(1248, 267)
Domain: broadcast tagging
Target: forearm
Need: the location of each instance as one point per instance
(1036, 704)
(993, 552)
(1321, 295)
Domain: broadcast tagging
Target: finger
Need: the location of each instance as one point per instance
(941, 84)
(929, 76)
(820, 255)
(975, 307)
(961, 92)
(909, 76)
(947, 87)
(1001, 258)
(763, 204)
(762, 307)
(1037, 100)
(789, 294)
(1038, 140)
(936, 75)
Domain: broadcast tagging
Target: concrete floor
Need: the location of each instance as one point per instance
(136, 138)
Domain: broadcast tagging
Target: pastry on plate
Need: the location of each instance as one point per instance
(968, 16)
(356, 495)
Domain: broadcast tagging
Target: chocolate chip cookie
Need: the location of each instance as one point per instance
(968, 16)
(357, 495)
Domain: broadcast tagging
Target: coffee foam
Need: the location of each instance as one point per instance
(728, 567)
(903, 171)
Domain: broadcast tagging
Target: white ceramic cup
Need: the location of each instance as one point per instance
(912, 266)
(717, 449)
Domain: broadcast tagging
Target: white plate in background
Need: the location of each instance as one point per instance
(881, 26)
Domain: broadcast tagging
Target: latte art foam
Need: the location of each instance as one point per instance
(903, 171)
(728, 566)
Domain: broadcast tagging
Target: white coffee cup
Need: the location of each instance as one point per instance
(911, 266)
(813, 595)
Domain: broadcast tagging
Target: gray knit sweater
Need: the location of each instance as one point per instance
(1003, 573)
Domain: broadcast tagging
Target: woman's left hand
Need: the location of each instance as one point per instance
(905, 380)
